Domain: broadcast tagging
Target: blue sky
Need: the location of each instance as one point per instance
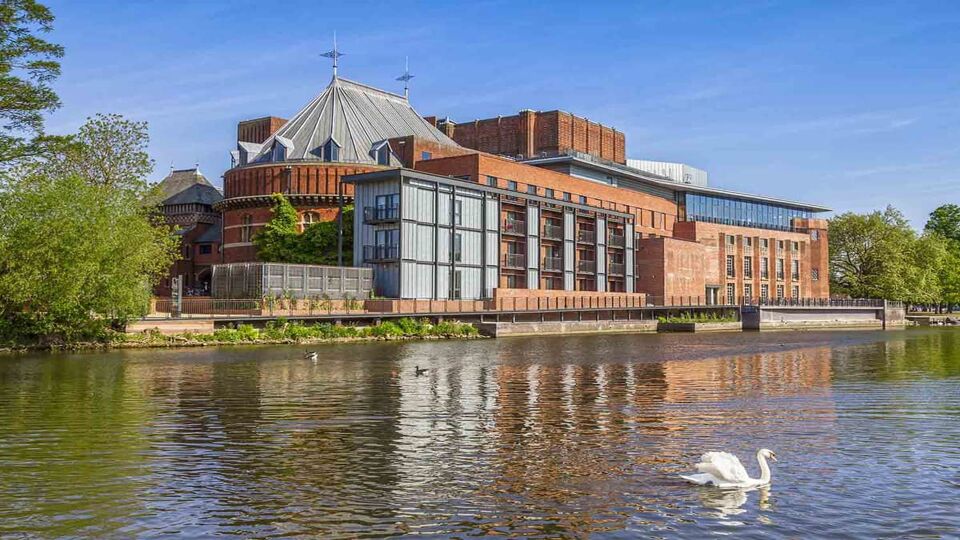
(854, 105)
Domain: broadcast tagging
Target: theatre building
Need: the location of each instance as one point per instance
(544, 202)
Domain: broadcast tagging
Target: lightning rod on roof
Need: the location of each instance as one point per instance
(406, 77)
(334, 54)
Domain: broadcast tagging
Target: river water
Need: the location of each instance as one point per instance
(548, 437)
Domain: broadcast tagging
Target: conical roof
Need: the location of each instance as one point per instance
(187, 186)
(356, 116)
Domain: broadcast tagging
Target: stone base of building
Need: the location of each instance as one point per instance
(171, 327)
(821, 325)
(505, 329)
(700, 327)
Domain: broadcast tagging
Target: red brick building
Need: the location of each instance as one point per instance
(188, 206)
(689, 241)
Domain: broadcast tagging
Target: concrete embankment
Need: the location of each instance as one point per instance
(503, 329)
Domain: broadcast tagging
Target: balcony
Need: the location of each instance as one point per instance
(587, 236)
(553, 264)
(616, 240)
(386, 253)
(586, 267)
(615, 269)
(553, 232)
(381, 214)
(515, 261)
(514, 226)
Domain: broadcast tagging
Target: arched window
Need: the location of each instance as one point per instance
(246, 230)
(331, 150)
(307, 219)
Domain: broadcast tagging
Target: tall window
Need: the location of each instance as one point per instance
(457, 285)
(731, 240)
(796, 291)
(795, 270)
(779, 268)
(458, 212)
(747, 241)
(779, 292)
(747, 292)
(764, 268)
(731, 293)
(246, 229)
(731, 270)
(764, 291)
(457, 247)
(815, 274)
(764, 244)
(748, 267)
(307, 219)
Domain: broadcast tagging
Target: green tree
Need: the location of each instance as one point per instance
(870, 254)
(79, 249)
(318, 244)
(281, 241)
(945, 221)
(108, 151)
(277, 241)
(75, 258)
(28, 64)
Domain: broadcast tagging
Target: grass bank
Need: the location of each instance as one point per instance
(275, 333)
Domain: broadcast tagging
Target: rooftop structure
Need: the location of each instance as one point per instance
(678, 172)
(348, 122)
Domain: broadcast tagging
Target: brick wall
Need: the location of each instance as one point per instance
(259, 129)
(531, 133)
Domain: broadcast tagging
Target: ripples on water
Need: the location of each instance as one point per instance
(544, 437)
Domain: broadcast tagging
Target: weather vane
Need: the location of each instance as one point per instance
(334, 54)
(406, 77)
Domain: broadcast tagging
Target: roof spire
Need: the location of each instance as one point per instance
(335, 53)
(406, 77)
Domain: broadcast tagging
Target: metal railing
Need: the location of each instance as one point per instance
(379, 214)
(553, 264)
(553, 232)
(514, 226)
(206, 307)
(615, 269)
(587, 236)
(514, 260)
(587, 267)
(381, 253)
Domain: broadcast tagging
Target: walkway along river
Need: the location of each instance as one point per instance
(548, 436)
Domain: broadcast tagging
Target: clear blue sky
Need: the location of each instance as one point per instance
(854, 105)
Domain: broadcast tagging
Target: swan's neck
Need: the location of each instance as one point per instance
(764, 469)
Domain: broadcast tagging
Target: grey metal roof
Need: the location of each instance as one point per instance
(181, 179)
(661, 181)
(196, 194)
(356, 116)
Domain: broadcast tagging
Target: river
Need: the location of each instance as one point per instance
(549, 437)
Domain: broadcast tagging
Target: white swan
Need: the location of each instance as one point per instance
(725, 470)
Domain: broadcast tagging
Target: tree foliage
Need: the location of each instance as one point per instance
(281, 241)
(108, 151)
(78, 253)
(878, 255)
(945, 221)
(28, 64)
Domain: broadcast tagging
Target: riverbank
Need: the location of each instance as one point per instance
(279, 332)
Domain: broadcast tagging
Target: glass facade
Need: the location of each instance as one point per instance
(712, 209)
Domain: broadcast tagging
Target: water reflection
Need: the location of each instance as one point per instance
(546, 437)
